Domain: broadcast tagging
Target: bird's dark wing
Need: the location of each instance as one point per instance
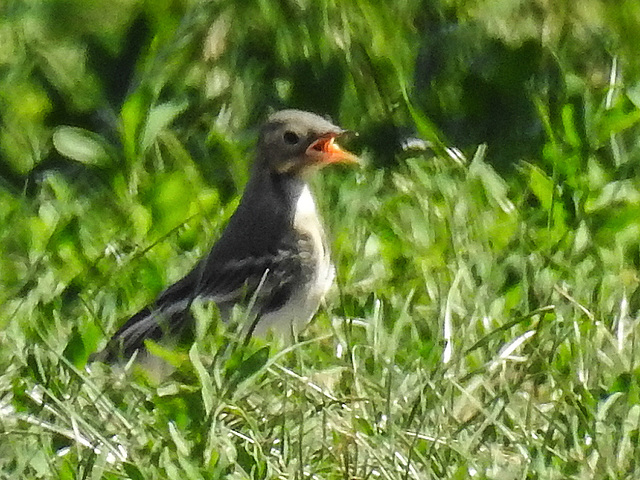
(267, 281)
(259, 258)
(253, 278)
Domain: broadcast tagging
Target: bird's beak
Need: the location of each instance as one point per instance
(325, 150)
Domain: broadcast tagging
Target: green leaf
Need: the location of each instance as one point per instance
(173, 358)
(494, 185)
(618, 193)
(206, 384)
(617, 121)
(132, 115)
(361, 425)
(20, 400)
(569, 124)
(75, 350)
(160, 117)
(133, 471)
(622, 383)
(542, 186)
(254, 363)
(171, 202)
(80, 145)
(240, 370)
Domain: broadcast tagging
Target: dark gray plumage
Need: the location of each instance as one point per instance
(273, 250)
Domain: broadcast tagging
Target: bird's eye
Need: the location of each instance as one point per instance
(290, 137)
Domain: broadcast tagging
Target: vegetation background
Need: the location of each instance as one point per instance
(486, 320)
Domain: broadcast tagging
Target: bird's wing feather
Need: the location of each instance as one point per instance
(267, 280)
(149, 323)
(255, 278)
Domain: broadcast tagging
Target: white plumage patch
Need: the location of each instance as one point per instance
(305, 207)
(301, 307)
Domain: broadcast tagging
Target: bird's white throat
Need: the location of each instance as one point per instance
(305, 206)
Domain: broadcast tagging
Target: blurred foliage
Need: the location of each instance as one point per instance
(488, 258)
(108, 110)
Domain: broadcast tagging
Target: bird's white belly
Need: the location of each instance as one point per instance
(304, 302)
(299, 309)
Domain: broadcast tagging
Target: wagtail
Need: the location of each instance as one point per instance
(272, 257)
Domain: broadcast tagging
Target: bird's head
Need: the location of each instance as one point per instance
(293, 142)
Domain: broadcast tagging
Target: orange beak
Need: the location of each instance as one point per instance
(325, 151)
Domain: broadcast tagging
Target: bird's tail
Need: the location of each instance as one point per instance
(167, 316)
(150, 323)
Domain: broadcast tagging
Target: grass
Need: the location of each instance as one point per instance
(478, 357)
(484, 322)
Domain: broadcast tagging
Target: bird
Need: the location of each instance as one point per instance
(272, 257)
